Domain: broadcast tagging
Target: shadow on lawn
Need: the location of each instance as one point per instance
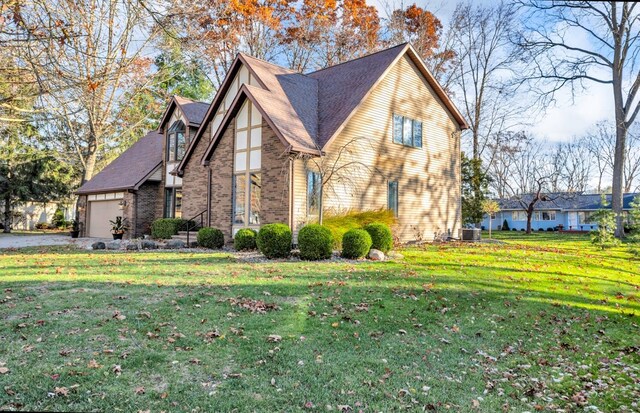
(298, 282)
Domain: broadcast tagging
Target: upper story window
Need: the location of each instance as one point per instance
(407, 131)
(175, 141)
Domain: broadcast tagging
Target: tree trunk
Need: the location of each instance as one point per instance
(90, 161)
(7, 214)
(618, 164)
(529, 216)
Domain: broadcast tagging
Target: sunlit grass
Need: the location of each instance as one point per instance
(537, 322)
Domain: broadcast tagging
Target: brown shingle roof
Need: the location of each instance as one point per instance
(130, 169)
(194, 111)
(308, 110)
(342, 87)
(290, 100)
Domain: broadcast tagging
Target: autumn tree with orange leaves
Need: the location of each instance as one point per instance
(424, 30)
(216, 30)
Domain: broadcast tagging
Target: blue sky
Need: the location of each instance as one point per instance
(568, 117)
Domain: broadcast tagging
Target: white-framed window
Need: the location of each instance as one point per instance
(585, 217)
(173, 203)
(247, 181)
(176, 141)
(519, 216)
(407, 131)
(544, 216)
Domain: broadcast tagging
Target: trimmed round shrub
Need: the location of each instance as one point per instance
(164, 228)
(245, 239)
(274, 240)
(381, 236)
(356, 243)
(210, 238)
(315, 242)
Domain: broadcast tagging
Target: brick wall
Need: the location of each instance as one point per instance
(148, 202)
(194, 181)
(82, 214)
(221, 165)
(275, 179)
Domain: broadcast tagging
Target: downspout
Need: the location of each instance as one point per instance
(291, 197)
(209, 196)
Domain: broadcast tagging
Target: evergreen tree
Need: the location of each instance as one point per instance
(474, 186)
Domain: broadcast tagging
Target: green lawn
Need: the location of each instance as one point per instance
(537, 323)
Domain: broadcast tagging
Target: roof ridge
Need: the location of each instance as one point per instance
(191, 100)
(269, 63)
(357, 58)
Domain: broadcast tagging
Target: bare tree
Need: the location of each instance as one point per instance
(571, 43)
(571, 166)
(601, 145)
(341, 170)
(523, 171)
(84, 56)
(485, 59)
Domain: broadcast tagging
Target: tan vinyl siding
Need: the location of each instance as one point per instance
(428, 177)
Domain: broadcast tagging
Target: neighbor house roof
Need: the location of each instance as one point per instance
(129, 170)
(308, 110)
(564, 201)
(193, 111)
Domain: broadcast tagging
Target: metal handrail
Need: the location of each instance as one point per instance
(190, 227)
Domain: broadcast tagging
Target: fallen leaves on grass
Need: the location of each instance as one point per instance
(254, 306)
(119, 316)
(274, 338)
(93, 365)
(139, 390)
(4, 370)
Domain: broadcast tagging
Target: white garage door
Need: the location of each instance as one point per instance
(100, 213)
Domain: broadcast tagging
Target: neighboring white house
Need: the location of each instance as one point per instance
(26, 215)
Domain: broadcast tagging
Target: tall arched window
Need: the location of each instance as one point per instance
(175, 141)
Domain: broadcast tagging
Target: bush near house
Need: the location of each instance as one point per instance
(339, 224)
(315, 242)
(245, 239)
(274, 240)
(356, 243)
(164, 228)
(505, 225)
(210, 238)
(381, 236)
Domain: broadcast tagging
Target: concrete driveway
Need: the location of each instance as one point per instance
(37, 240)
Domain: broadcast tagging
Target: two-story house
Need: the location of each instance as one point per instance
(275, 145)
(278, 146)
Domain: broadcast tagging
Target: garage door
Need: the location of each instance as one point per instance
(100, 213)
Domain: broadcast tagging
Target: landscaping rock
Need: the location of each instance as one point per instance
(147, 244)
(395, 255)
(132, 247)
(376, 255)
(98, 245)
(174, 244)
(114, 245)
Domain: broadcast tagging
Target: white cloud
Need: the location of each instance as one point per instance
(566, 119)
